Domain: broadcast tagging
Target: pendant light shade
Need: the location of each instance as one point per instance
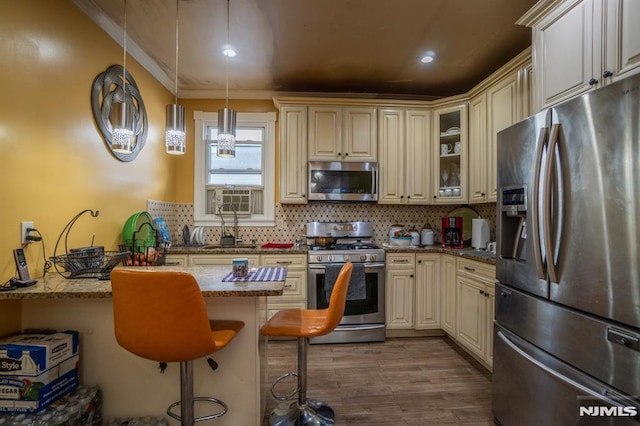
(226, 133)
(123, 133)
(123, 139)
(227, 116)
(175, 136)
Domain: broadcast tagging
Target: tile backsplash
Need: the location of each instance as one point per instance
(294, 218)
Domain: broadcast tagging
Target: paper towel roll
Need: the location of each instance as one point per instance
(479, 233)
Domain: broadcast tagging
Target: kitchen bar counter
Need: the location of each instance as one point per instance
(55, 286)
(133, 386)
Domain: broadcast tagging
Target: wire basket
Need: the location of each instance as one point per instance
(138, 255)
(88, 263)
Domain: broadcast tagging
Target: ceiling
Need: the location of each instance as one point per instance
(369, 48)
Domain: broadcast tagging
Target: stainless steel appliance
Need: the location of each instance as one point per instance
(567, 326)
(364, 317)
(343, 181)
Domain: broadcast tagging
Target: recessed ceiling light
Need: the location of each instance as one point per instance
(426, 59)
(229, 52)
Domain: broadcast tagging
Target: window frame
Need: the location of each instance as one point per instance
(202, 121)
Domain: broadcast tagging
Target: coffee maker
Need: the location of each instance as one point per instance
(452, 232)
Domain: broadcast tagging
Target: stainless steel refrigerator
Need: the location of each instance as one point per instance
(567, 325)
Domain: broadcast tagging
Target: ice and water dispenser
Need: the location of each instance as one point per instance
(513, 235)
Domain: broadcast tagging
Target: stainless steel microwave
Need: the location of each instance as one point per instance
(343, 181)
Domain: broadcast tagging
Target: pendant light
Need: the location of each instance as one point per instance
(122, 114)
(175, 139)
(226, 116)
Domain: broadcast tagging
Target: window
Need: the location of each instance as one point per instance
(246, 183)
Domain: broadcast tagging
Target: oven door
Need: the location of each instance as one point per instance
(369, 310)
(363, 320)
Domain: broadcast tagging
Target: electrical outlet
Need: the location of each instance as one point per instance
(23, 231)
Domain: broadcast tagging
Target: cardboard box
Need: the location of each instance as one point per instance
(33, 393)
(33, 354)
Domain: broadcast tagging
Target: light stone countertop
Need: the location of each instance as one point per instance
(55, 286)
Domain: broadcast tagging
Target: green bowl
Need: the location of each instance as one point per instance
(141, 224)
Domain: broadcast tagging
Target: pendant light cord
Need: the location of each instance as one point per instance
(124, 60)
(177, 43)
(227, 59)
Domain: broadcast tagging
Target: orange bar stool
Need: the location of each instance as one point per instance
(162, 316)
(303, 324)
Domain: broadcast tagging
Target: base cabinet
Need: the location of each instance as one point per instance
(474, 308)
(448, 294)
(413, 291)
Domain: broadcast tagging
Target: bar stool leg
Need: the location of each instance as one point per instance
(187, 403)
(303, 412)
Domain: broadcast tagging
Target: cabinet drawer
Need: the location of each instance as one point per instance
(176, 259)
(295, 287)
(401, 259)
(480, 270)
(293, 262)
(221, 259)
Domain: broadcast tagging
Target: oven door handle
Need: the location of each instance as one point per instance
(319, 267)
(358, 328)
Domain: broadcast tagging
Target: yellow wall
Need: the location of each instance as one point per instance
(53, 161)
(184, 177)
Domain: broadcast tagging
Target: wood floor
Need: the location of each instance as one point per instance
(403, 381)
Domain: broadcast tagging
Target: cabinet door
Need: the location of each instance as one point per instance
(293, 155)
(490, 297)
(622, 45)
(450, 154)
(567, 44)
(501, 113)
(418, 156)
(360, 134)
(427, 304)
(325, 133)
(391, 165)
(478, 149)
(399, 294)
(471, 314)
(448, 294)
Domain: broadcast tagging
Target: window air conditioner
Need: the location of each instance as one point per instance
(236, 199)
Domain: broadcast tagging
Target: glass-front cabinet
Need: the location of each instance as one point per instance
(450, 154)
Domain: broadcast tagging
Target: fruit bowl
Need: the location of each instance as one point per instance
(401, 241)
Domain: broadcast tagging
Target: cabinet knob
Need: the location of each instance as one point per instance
(411, 276)
(482, 194)
(402, 196)
(419, 261)
(346, 154)
(339, 154)
(435, 196)
(607, 74)
(593, 82)
(408, 196)
(304, 195)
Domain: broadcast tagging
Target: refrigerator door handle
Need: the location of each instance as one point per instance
(547, 217)
(535, 218)
(606, 396)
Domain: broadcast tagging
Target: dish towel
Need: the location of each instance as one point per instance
(357, 285)
(260, 274)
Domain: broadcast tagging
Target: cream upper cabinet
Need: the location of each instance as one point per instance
(478, 149)
(622, 43)
(450, 154)
(342, 133)
(427, 300)
(580, 45)
(404, 153)
(293, 154)
(502, 112)
(503, 100)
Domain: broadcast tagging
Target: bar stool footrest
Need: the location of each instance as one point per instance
(314, 413)
(278, 380)
(202, 418)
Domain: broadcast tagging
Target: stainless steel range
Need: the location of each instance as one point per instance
(364, 316)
